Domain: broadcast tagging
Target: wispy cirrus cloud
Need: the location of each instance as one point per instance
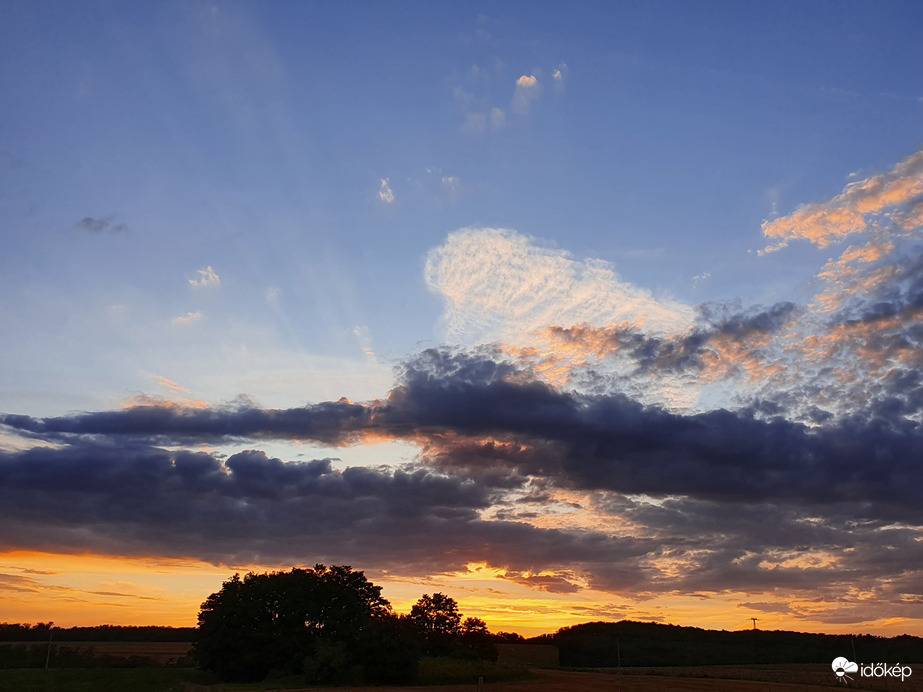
(168, 384)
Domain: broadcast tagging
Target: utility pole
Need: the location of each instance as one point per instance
(48, 655)
(754, 622)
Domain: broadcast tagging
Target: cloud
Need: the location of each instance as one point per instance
(528, 90)
(143, 400)
(584, 434)
(498, 284)
(559, 74)
(253, 508)
(723, 344)
(94, 225)
(862, 206)
(695, 503)
(584, 442)
(700, 277)
(187, 318)
(168, 384)
(385, 194)
(207, 279)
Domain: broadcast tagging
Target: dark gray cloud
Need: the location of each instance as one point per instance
(252, 508)
(610, 442)
(742, 500)
(473, 417)
(331, 423)
(101, 225)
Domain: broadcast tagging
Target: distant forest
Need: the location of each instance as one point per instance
(43, 631)
(631, 644)
(595, 644)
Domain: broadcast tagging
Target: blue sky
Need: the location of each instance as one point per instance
(244, 206)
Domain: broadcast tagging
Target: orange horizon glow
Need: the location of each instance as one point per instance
(89, 590)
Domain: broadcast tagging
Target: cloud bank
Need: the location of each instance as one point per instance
(787, 464)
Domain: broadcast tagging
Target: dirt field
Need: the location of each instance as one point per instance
(569, 681)
(161, 652)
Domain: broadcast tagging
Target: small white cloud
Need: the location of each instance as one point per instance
(559, 77)
(701, 277)
(207, 279)
(272, 294)
(386, 194)
(188, 317)
(364, 337)
(528, 89)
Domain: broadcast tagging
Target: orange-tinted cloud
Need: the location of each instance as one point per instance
(860, 206)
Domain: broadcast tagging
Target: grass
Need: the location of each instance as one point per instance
(433, 671)
(97, 679)
(453, 671)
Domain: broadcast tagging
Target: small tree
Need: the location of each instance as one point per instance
(443, 633)
(437, 620)
(437, 614)
(476, 640)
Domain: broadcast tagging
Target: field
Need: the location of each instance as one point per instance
(162, 653)
(701, 679)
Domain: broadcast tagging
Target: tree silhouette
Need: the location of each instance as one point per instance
(436, 615)
(303, 620)
(440, 625)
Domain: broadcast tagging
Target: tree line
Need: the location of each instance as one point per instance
(631, 644)
(45, 631)
(331, 625)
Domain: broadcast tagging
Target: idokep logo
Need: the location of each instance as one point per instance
(843, 666)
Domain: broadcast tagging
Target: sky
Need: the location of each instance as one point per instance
(599, 312)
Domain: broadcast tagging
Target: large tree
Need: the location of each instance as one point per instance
(312, 619)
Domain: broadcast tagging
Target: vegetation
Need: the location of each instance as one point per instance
(329, 624)
(97, 680)
(315, 621)
(442, 632)
(626, 643)
(454, 671)
(43, 631)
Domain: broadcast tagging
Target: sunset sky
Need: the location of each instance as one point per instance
(572, 312)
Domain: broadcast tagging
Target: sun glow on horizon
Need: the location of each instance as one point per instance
(88, 590)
